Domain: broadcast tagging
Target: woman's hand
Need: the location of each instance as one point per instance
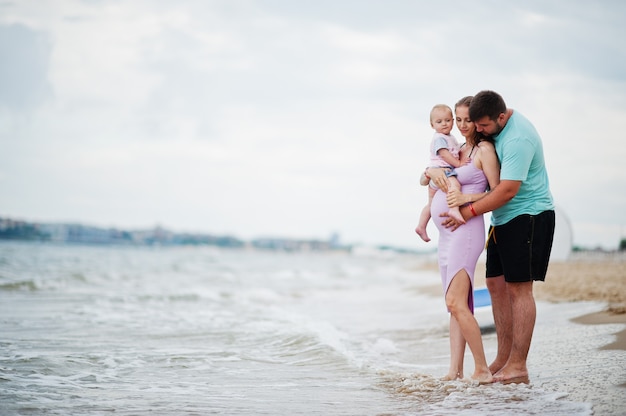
(438, 177)
(455, 198)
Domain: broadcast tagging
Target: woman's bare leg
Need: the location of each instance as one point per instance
(457, 351)
(456, 300)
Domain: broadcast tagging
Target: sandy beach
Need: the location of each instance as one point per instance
(585, 277)
(592, 279)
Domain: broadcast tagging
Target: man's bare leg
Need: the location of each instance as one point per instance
(524, 312)
(502, 317)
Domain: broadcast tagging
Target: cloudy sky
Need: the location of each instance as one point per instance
(295, 118)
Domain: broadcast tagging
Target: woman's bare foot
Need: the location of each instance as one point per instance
(422, 233)
(452, 376)
(483, 377)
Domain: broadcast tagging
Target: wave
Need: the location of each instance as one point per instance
(44, 283)
(429, 395)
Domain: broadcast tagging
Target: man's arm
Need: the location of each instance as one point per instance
(500, 195)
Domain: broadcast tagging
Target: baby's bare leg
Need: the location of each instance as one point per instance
(425, 217)
(455, 212)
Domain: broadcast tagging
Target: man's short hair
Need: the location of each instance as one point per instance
(486, 103)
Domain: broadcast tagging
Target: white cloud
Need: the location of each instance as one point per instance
(288, 119)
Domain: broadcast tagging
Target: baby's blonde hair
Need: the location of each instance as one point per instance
(440, 107)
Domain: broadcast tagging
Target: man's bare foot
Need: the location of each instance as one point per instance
(516, 380)
(456, 214)
(505, 377)
(422, 233)
(495, 367)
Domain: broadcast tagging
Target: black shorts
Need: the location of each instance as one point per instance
(520, 249)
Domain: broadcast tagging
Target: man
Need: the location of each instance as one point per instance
(521, 232)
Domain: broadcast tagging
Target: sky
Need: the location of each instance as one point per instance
(297, 119)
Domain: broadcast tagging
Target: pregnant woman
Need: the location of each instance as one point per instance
(459, 248)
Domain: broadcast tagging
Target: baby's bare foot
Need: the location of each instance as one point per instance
(422, 233)
(456, 214)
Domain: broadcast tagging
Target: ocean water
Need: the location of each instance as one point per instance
(203, 331)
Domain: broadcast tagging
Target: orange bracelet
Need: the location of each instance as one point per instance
(471, 207)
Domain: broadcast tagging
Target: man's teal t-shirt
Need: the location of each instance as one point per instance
(520, 152)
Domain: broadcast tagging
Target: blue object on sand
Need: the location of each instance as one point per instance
(481, 297)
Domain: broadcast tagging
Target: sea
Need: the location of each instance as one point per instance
(124, 330)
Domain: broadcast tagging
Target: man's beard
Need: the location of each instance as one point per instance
(498, 130)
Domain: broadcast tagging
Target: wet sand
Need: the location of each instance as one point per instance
(603, 281)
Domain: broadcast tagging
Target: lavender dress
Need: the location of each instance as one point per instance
(460, 249)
